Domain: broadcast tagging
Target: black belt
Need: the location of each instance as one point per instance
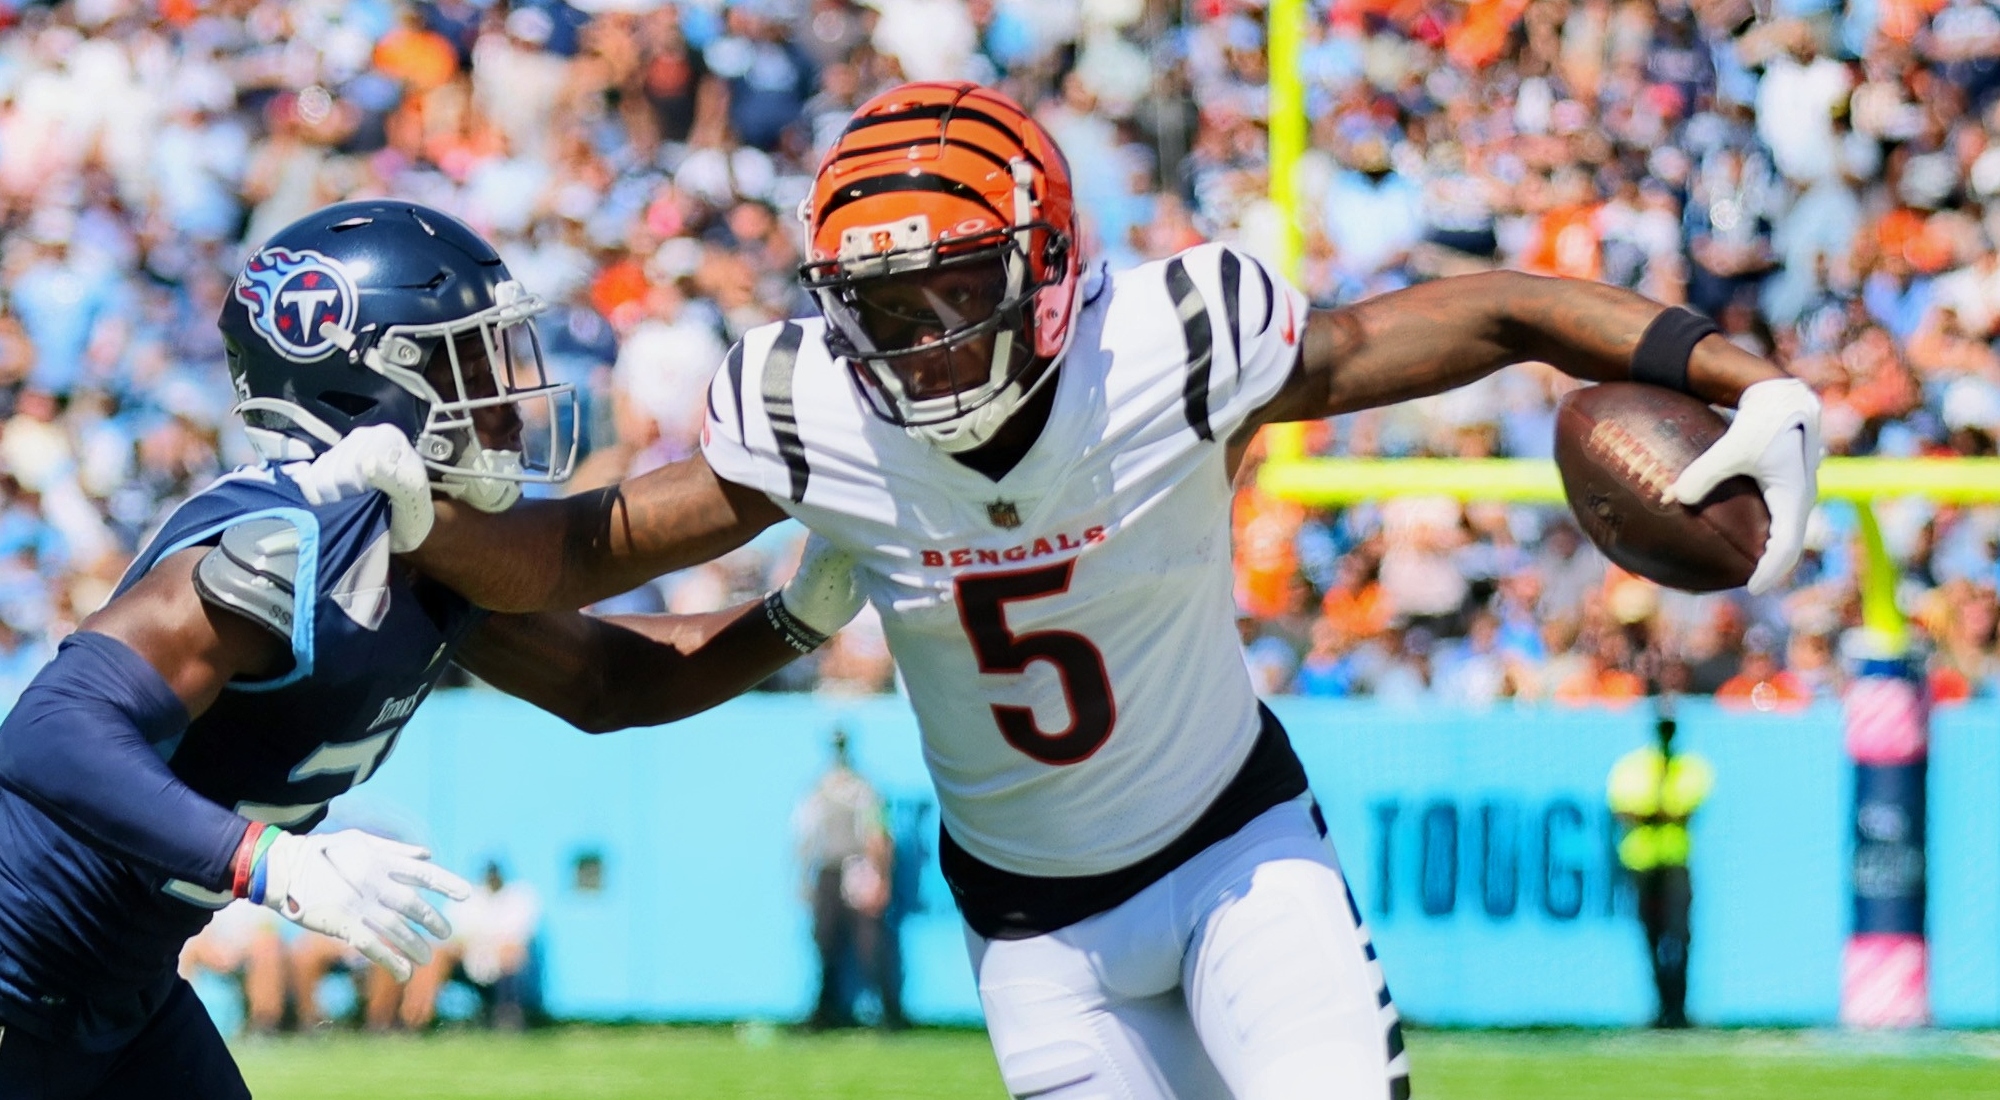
(1002, 905)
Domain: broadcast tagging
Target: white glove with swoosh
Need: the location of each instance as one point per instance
(360, 889)
(1774, 439)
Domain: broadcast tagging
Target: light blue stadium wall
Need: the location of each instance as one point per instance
(700, 917)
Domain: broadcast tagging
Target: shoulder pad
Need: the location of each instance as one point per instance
(253, 572)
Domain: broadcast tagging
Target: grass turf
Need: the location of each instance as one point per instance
(759, 1062)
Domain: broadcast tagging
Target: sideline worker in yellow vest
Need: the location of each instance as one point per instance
(1654, 790)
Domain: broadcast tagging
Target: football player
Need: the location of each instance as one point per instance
(267, 646)
(1031, 461)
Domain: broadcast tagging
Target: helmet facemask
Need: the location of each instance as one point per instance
(495, 421)
(938, 330)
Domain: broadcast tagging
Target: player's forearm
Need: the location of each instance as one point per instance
(632, 670)
(1592, 331)
(689, 663)
(1444, 334)
(543, 555)
(80, 744)
(564, 554)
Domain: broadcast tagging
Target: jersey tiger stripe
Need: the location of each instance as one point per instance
(778, 407)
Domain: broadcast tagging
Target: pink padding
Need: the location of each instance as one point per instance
(1886, 721)
(1885, 981)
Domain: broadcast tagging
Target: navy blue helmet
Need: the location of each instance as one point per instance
(384, 312)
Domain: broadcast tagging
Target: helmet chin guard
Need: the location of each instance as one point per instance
(490, 483)
(976, 428)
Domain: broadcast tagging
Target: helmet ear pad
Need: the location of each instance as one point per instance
(1055, 305)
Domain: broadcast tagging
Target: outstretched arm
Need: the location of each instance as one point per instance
(1446, 333)
(557, 555)
(604, 674)
(616, 672)
(1443, 334)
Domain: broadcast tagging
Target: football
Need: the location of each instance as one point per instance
(1619, 447)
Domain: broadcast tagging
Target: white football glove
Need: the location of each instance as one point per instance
(1774, 439)
(822, 594)
(377, 457)
(361, 890)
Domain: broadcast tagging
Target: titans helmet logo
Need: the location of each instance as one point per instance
(292, 296)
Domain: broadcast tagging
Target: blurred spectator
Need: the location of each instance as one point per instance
(242, 941)
(311, 958)
(1602, 675)
(1763, 684)
(1827, 187)
(1715, 648)
(1329, 668)
(1477, 670)
(1420, 579)
(1374, 217)
(769, 78)
(1796, 98)
(846, 855)
(1271, 661)
(493, 949)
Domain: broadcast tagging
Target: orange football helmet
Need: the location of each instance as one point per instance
(941, 222)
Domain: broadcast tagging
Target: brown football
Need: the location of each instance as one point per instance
(1619, 446)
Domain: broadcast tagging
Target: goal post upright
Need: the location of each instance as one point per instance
(1287, 128)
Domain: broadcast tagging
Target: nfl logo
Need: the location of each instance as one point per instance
(1003, 513)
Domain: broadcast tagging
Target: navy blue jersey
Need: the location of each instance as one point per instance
(88, 939)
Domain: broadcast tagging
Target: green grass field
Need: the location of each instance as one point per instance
(759, 1062)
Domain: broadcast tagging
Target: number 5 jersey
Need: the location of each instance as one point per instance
(1066, 633)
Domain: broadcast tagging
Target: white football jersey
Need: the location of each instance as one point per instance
(1066, 634)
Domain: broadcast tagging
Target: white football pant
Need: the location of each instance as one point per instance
(1244, 973)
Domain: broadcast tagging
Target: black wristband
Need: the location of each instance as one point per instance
(789, 626)
(1662, 356)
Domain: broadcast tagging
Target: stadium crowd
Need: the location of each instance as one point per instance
(1821, 179)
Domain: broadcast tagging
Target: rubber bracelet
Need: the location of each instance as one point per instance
(1661, 359)
(244, 859)
(790, 627)
(260, 865)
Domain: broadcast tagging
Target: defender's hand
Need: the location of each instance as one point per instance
(378, 457)
(822, 594)
(1774, 439)
(361, 890)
